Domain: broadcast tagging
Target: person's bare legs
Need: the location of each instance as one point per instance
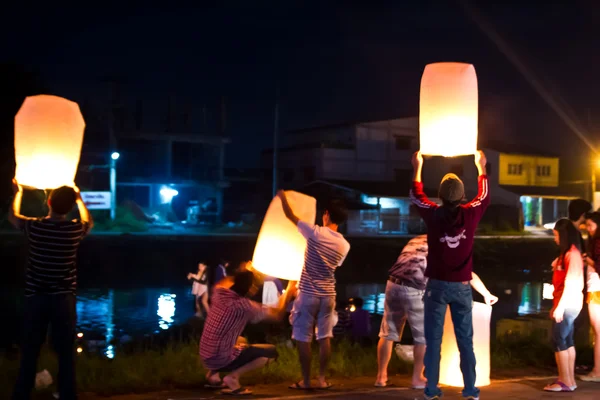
(384, 354)
(324, 356)
(233, 379)
(418, 379)
(213, 378)
(594, 310)
(205, 302)
(571, 368)
(305, 356)
(563, 363)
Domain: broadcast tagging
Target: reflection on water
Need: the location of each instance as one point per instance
(107, 317)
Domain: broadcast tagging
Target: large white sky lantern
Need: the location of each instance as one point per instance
(450, 373)
(448, 110)
(280, 248)
(48, 138)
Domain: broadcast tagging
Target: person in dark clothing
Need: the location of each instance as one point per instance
(50, 285)
(450, 237)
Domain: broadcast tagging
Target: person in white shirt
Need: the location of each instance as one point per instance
(592, 260)
(326, 250)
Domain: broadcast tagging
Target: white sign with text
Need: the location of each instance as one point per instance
(96, 200)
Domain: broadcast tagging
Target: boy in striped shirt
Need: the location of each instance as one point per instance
(325, 251)
(50, 285)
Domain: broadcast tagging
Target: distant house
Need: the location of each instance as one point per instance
(373, 159)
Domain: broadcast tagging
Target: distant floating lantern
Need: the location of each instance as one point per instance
(48, 139)
(450, 373)
(280, 248)
(448, 110)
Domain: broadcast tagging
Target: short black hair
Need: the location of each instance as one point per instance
(578, 207)
(243, 282)
(358, 302)
(338, 213)
(62, 200)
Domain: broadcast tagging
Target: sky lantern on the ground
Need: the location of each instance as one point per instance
(48, 138)
(450, 373)
(280, 248)
(448, 110)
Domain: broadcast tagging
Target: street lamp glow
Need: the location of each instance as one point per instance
(115, 155)
(167, 194)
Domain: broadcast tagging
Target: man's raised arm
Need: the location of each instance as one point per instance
(14, 214)
(417, 194)
(84, 213)
(287, 209)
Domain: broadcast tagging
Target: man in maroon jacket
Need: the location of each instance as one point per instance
(450, 235)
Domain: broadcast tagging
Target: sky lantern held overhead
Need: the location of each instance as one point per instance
(448, 110)
(48, 138)
(280, 248)
(450, 373)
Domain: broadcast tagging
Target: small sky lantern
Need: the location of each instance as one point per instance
(448, 110)
(48, 138)
(450, 373)
(280, 248)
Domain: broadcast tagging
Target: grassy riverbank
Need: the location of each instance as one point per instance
(178, 366)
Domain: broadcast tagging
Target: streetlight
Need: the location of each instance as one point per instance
(113, 184)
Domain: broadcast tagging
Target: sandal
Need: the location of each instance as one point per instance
(241, 391)
(558, 386)
(297, 386)
(326, 387)
(216, 385)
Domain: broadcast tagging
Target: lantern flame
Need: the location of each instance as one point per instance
(450, 373)
(448, 110)
(48, 139)
(280, 248)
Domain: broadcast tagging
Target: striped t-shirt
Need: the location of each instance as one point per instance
(325, 251)
(52, 264)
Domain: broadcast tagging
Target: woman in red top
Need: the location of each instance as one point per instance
(568, 301)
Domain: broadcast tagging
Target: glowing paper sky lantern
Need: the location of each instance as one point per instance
(448, 110)
(280, 248)
(450, 373)
(48, 138)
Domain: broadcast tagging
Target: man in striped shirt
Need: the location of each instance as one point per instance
(325, 251)
(50, 284)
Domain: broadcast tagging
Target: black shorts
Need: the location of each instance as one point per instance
(250, 354)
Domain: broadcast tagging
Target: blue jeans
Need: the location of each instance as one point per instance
(563, 332)
(458, 296)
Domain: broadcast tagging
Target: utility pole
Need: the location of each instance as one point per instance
(275, 140)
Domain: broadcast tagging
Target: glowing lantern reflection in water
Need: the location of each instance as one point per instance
(48, 138)
(450, 373)
(280, 248)
(448, 110)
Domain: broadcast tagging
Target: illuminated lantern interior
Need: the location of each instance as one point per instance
(448, 110)
(280, 248)
(450, 373)
(48, 138)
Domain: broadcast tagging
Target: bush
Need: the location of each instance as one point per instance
(125, 221)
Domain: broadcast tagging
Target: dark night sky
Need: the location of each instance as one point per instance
(359, 61)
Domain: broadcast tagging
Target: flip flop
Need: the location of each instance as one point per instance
(241, 391)
(418, 387)
(382, 385)
(589, 378)
(297, 386)
(561, 387)
(326, 387)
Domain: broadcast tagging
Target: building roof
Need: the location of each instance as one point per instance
(349, 124)
(560, 192)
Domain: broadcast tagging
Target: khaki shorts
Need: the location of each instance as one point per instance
(310, 311)
(403, 303)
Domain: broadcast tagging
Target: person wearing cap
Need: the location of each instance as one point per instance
(450, 236)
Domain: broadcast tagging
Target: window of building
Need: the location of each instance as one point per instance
(515, 169)
(457, 169)
(403, 142)
(543, 170)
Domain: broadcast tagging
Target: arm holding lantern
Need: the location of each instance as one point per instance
(84, 213)
(425, 207)
(275, 314)
(480, 203)
(479, 286)
(14, 214)
(287, 209)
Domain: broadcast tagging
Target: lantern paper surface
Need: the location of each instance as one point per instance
(280, 248)
(48, 138)
(450, 373)
(448, 110)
